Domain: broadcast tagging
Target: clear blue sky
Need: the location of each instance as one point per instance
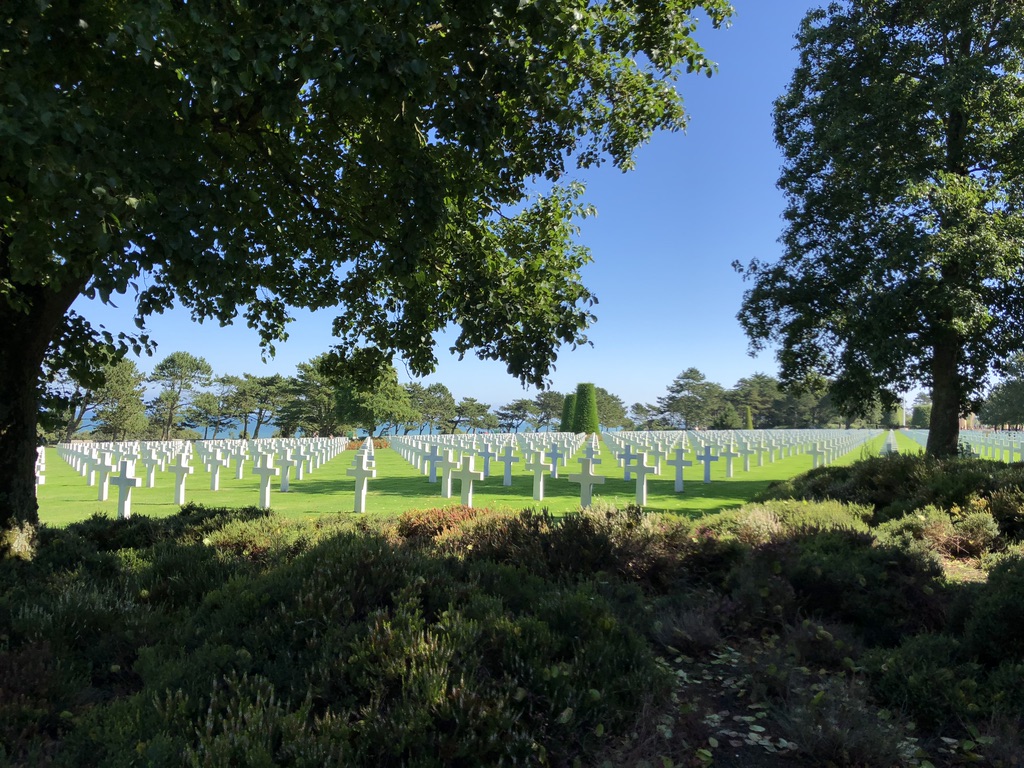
(663, 243)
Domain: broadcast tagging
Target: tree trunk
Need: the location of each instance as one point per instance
(23, 344)
(944, 425)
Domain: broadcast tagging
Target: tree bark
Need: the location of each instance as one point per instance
(23, 344)
(944, 425)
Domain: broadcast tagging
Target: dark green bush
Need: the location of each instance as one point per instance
(995, 629)
(897, 484)
(930, 678)
(1007, 505)
(884, 593)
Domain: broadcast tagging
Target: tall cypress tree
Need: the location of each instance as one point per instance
(585, 418)
(568, 413)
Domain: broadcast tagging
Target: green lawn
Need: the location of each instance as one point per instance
(66, 498)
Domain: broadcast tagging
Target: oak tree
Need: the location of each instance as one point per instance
(240, 158)
(903, 250)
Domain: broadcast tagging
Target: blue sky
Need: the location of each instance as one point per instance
(663, 243)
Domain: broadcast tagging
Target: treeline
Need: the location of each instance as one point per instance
(191, 402)
(691, 401)
(184, 398)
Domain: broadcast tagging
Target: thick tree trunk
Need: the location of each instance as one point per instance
(944, 426)
(23, 344)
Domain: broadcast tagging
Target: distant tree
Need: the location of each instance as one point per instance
(375, 403)
(568, 413)
(438, 406)
(727, 418)
(120, 412)
(921, 416)
(179, 375)
(468, 412)
(647, 416)
(487, 423)
(611, 410)
(203, 412)
(310, 404)
(512, 416)
(548, 404)
(692, 401)
(760, 393)
(1004, 406)
(750, 417)
(267, 393)
(64, 406)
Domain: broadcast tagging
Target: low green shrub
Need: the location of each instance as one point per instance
(884, 593)
(897, 484)
(929, 678)
(1007, 505)
(995, 630)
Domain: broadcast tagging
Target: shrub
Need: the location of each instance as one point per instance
(974, 534)
(835, 725)
(929, 678)
(885, 593)
(1007, 505)
(427, 523)
(995, 629)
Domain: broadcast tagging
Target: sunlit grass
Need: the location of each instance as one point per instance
(66, 498)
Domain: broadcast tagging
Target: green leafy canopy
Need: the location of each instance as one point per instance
(904, 178)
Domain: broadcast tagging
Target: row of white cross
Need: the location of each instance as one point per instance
(97, 462)
(639, 454)
(997, 446)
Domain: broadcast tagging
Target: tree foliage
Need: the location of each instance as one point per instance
(548, 405)
(179, 374)
(568, 413)
(239, 159)
(585, 419)
(692, 402)
(120, 411)
(904, 177)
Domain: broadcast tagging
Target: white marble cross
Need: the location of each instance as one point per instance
(706, 458)
(125, 483)
(556, 455)
(678, 461)
(181, 470)
(150, 462)
(103, 470)
(266, 470)
(508, 458)
(586, 479)
(642, 469)
(746, 452)
(214, 463)
(627, 457)
(538, 468)
(728, 454)
(487, 453)
(817, 454)
(466, 475)
(362, 471)
(286, 462)
(433, 458)
(447, 465)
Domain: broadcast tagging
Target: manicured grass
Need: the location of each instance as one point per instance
(66, 498)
